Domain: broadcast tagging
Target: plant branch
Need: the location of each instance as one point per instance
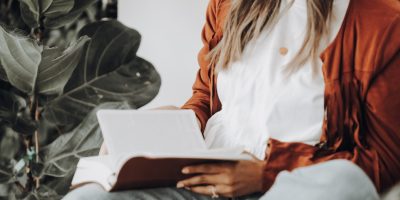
(35, 112)
(37, 115)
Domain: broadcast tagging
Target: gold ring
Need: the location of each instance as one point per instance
(214, 192)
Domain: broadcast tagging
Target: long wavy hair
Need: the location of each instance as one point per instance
(248, 18)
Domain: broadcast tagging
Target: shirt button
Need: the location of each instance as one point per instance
(283, 51)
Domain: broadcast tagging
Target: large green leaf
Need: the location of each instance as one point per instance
(46, 4)
(61, 156)
(33, 10)
(57, 66)
(58, 8)
(110, 71)
(30, 12)
(59, 20)
(20, 58)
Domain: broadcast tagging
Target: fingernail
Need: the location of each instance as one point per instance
(180, 185)
(187, 188)
(185, 170)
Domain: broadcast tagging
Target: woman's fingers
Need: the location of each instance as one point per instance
(208, 168)
(199, 180)
(214, 179)
(209, 190)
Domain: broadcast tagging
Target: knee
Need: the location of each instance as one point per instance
(338, 178)
(344, 174)
(87, 192)
(345, 169)
(340, 173)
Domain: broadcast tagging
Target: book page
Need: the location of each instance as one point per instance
(97, 169)
(151, 131)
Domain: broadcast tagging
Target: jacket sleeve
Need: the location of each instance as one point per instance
(380, 159)
(200, 100)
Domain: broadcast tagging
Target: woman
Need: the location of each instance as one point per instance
(272, 73)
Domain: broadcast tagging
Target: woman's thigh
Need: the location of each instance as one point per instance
(96, 192)
(332, 180)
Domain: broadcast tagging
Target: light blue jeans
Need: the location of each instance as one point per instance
(333, 180)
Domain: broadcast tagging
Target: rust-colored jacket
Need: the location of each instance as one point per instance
(362, 94)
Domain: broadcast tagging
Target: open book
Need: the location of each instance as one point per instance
(149, 149)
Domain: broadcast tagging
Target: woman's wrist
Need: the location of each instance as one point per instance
(261, 186)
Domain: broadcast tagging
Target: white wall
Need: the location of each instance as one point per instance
(171, 39)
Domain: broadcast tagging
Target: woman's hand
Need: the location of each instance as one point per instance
(225, 179)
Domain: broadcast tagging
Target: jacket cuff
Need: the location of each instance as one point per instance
(282, 156)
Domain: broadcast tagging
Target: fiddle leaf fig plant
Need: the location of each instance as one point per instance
(49, 94)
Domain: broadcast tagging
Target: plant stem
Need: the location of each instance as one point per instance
(34, 109)
(37, 114)
(33, 106)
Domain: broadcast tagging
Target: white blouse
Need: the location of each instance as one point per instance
(259, 101)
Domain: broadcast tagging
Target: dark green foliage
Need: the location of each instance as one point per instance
(52, 81)
(110, 57)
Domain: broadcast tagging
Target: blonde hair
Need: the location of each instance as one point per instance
(248, 18)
